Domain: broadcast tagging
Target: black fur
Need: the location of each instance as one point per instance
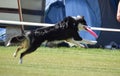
(68, 28)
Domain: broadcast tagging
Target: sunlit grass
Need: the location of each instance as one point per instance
(61, 62)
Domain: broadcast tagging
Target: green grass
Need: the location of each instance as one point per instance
(61, 62)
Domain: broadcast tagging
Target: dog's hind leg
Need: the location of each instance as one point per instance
(24, 44)
(29, 50)
(18, 49)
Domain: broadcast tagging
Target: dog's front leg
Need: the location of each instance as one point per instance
(83, 41)
(87, 42)
(75, 42)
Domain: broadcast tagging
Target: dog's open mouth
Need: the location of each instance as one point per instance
(90, 31)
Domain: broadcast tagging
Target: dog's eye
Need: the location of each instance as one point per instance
(83, 22)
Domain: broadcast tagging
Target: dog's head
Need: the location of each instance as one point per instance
(80, 20)
(82, 25)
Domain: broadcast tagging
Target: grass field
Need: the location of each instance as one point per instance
(61, 62)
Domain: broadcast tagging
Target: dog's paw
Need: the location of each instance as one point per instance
(88, 42)
(8, 44)
(20, 61)
(93, 42)
(14, 55)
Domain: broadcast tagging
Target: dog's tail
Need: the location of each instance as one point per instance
(18, 39)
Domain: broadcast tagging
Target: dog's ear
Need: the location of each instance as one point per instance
(82, 17)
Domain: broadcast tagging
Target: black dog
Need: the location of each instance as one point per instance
(64, 30)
